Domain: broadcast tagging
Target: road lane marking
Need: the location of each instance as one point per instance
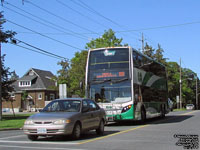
(125, 131)
(187, 113)
(38, 142)
(29, 147)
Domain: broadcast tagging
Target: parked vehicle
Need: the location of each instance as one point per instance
(170, 104)
(66, 117)
(190, 106)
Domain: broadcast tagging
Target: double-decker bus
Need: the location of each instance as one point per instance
(126, 83)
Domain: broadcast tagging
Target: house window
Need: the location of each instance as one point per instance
(52, 96)
(39, 96)
(24, 83)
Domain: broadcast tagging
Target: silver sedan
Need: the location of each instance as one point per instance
(66, 117)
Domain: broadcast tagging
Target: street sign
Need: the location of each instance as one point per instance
(62, 90)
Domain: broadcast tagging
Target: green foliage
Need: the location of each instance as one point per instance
(108, 39)
(6, 82)
(149, 51)
(63, 72)
(77, 73)
(6, 35)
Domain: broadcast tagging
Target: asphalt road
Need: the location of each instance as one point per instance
(176, 130)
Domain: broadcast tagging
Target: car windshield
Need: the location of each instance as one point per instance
(63, 106)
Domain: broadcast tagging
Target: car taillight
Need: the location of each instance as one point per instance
(126, 108)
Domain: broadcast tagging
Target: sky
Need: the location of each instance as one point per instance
(63, 27)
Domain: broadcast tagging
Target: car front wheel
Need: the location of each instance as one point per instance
(100, 130)
(76, 131)
(32, 137)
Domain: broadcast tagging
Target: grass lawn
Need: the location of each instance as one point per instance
(9, 121)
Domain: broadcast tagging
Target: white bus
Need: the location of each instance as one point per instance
(126, 83)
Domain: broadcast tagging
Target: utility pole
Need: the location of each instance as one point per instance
(0, 85)
(142, 40)
(180, 81)
(142, 43)
(197, 93)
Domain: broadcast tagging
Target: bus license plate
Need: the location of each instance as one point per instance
(41, 130)
(109, 118)
(109, 113)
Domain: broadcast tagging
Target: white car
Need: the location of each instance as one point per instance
(190, 106)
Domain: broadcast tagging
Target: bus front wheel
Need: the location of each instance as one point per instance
(143, 115)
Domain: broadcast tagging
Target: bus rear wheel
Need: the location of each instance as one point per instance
(143, 115)
(162, 111)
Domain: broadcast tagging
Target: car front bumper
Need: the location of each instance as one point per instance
(48, 129)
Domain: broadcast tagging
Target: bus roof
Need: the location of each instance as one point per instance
(96, 49)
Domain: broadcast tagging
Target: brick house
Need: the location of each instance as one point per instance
(37, 86)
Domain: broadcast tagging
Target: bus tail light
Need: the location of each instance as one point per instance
(126, 108)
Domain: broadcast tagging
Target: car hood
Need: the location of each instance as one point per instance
(53, 115)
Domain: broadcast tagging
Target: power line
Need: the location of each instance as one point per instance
(35, 51)
(81, 14)
(161, 27)
(61, 18)
(94, 11)
(44, 51)
(54, 26)
(43, 35)
(85, 6)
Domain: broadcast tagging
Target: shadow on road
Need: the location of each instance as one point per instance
(158, 120)
(85, 136)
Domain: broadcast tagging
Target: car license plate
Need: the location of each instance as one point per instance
(41, 130)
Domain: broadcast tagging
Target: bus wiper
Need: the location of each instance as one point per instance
(120, 80)
(99, 81)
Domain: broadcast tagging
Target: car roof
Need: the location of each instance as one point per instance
(80, 99)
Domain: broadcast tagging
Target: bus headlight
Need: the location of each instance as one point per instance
(126, 108)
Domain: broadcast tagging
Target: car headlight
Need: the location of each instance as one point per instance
(29, 122)
(62, 121)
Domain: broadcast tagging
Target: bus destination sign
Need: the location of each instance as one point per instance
(110, 74)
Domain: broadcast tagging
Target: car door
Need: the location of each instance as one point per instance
(95, 114)
(85, 115)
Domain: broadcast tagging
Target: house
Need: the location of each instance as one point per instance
(32, 91)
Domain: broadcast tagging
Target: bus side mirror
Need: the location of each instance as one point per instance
(81, 85)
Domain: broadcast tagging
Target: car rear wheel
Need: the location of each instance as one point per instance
(76, 131)
(32, 137)
(100, 130)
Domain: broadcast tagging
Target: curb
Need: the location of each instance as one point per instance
(10, 129)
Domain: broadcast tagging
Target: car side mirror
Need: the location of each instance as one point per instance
(85, 109)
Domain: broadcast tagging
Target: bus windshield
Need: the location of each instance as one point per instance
(109, 64)
(111, 91)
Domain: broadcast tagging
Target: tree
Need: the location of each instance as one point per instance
(158, 56)
(108, 39)
(77, 73)
(5, 36)
(149, 51)
(7, 88)
(63, 74)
